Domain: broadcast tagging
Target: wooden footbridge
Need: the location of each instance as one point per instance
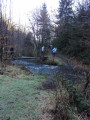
(31, 58)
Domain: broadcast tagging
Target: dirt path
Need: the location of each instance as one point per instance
(72, 70)
(71, 62)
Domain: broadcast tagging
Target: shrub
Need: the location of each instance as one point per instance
(78, 97)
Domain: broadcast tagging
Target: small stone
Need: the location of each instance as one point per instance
(1, 108)
(1, 72)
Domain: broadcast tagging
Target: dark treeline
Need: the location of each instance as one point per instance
(23, 42)
(70, 32)
(10, 37)
(73, 30)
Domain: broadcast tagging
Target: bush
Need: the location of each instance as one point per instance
(78, 98)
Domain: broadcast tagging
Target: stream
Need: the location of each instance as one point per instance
(65, 71)
(38, 68)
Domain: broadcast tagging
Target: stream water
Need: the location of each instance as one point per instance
(38, 68)
(49, 70)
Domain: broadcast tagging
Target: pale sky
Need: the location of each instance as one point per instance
(20, 8)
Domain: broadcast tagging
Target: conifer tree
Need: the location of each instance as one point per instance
(44, 25)
(65, 12)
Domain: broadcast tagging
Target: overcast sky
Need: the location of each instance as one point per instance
(20, 8)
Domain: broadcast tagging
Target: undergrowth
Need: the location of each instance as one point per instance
(53, 60)
(71, 104)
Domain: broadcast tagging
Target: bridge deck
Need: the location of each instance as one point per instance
(33, 58)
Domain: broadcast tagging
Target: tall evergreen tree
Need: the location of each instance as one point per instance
(73, 35)
(84, 11)
(65, 11)
(65, 20)
(44, 25)
(65, 16)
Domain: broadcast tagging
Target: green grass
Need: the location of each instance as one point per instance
(19, 97)
(54, 60)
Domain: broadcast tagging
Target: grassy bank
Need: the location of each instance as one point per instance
(21, 96)
(53, 60)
